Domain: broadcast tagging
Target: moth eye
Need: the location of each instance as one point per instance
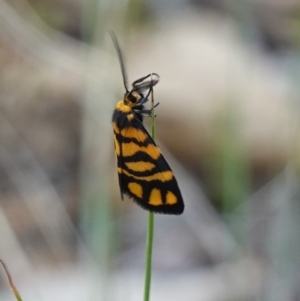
(132, 98)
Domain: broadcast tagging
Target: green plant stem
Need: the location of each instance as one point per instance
(150, 230)
(149, 256)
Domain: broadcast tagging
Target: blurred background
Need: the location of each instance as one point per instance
(228, 123)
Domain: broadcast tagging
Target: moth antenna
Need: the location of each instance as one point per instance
(121, 59)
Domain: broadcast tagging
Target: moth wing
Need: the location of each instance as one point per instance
(144, 174)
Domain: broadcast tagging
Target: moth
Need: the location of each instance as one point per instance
(144, 174)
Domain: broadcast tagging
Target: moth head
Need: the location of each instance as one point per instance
(141, 89)
(132, 98)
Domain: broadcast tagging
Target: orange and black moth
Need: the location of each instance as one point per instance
(144, 174)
